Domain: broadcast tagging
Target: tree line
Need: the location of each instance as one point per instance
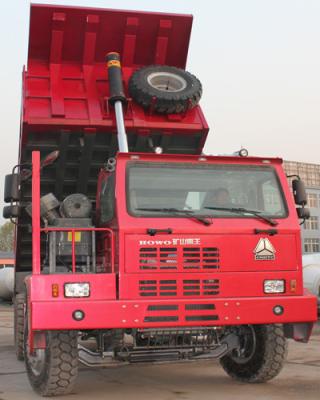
(7, 236)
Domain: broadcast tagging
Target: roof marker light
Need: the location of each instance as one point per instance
(243, 152)
(158, 150)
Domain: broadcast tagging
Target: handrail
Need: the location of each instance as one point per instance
(36, 228)
(36, 247)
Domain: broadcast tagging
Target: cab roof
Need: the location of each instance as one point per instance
(199, 158)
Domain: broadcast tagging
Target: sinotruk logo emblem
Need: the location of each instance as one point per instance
(264, 250)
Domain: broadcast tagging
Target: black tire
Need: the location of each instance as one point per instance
(167, 90)
(57, 370)
(19, 311)
(262, 362)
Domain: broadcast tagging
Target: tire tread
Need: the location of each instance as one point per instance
(273, 350)
(166, 103)
(19, 303)
(61, 368)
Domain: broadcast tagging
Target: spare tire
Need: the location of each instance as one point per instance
(165, 89)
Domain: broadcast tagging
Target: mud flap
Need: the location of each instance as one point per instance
(39, 340)
(300, 331)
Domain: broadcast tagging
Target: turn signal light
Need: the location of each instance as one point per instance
(293, 285)
(55, 290)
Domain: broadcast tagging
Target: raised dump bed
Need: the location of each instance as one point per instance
(65, 96)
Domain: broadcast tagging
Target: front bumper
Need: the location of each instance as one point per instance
(106, 314)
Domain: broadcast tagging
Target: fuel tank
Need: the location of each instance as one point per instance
(311, 273)
(6, 275)
(6, 282)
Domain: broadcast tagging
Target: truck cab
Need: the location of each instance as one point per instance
(203, 227)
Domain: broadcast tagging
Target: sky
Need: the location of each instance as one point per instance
(258, 61)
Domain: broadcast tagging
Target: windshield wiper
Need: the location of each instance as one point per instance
(240, 210)
(187, 213)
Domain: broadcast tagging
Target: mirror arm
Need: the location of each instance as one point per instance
(19, 166)
(13, 221)
(294, 176)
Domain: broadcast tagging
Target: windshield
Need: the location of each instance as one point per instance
(153, 188)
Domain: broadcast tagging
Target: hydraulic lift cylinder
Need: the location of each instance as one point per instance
(117, 97)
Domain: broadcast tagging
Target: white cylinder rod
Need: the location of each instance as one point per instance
(122, 136)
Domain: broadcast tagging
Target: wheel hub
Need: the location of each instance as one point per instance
(167, 82)
(247, 347)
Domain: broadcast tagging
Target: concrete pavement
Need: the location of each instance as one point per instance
(300, 378)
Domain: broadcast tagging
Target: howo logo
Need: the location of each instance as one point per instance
(264, 250)
(169, 242)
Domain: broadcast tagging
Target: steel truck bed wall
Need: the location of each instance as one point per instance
(65, 96)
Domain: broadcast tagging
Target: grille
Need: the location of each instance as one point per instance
(189, 287)
(192, 312)
(151, 288)
(175, 259)
(198, 287)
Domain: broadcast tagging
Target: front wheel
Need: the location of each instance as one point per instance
(53, 371)
(261, 356)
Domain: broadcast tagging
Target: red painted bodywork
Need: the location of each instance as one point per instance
(66, 88)
(7, 261)
(115, 300)
(65, 85)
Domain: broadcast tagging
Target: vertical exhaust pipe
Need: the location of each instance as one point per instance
(117, 97)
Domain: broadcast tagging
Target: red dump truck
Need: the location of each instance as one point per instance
(131, 245)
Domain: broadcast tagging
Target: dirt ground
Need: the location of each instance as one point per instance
(201, 380)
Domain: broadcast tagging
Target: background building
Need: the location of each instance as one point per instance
(310, 230)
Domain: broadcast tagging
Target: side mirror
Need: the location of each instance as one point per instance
(50, 159)
(10, 212)
(303, 213)
(11, 188)
(300, 198)
(299, 192)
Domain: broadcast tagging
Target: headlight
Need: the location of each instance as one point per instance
(274, 286)
(77, 289)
